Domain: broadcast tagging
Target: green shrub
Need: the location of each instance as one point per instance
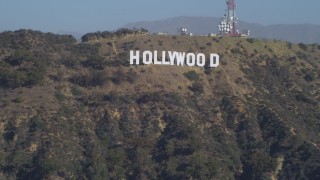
(192, 75)
(112, 97)
(118, 76)
(116, 158)
(95, 62)
(197, 88)
(236, 51)
(303, 46)
(76, 91)
(131, 76)
(60, 96)
(303, 98)
(309, 77)
(171, 167)
(18, 57)
(36, 124)
(65, 111)
(45, 166)
(85, 49)
(70, 62)
(17, 100)
(202, 167)
(127, 46)
(10, 131)
(36, 76)
(258, 164)
(92, 79)
(31, 69)
(250, 40)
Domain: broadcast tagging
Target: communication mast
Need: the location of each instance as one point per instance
(228, 25)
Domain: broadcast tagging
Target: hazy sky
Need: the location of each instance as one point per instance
(93, 15)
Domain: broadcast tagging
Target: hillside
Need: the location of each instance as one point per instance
(295, 33)
(79, 110)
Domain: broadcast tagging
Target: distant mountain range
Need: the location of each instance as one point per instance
(297, 33)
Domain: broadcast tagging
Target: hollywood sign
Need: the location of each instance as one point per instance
(173, 58)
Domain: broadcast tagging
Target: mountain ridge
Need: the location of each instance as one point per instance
(296, 33)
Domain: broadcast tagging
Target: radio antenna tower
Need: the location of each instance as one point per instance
(229, 25)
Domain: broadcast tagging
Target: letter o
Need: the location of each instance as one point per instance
(191, 59)
(201, 60)
(147, 57)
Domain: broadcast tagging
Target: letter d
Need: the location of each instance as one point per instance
(214, 60)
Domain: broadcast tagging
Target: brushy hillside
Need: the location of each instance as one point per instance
(79, 110)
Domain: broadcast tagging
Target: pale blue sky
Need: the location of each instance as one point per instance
(93, 15)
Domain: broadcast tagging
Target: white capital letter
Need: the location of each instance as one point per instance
(147, 57)
(172, 56)
(180, 58)
(201, 60)
(155, 58)
(164, 62)
(214, 60)
(135, 57)
(191, 59)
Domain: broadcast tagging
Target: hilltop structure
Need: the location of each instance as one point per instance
(184, 32)
(228, 25)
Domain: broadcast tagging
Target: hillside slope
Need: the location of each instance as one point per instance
(73, 110)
